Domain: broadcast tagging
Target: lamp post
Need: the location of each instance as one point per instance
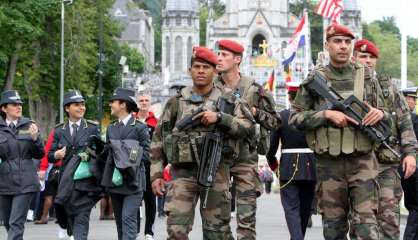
(63, 2)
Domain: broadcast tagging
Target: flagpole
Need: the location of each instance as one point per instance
(307, 54)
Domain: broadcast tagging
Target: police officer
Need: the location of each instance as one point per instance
(75, 198)
(346, 164)
(124, 175)
(403, 140)
(410, 185)
(244, 172)
(171, 145)
(297, 171)
(20, 144)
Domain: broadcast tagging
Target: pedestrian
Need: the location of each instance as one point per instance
(184, 192)
(403, 140)
(127, 141)
(51, 185)
(147, 117)
(262, 106)
(267, 178)
(75, 197)
(296, 170)
(20, 144)
(346, 164)
(161, 199)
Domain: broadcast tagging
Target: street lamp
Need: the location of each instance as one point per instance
(63, 2)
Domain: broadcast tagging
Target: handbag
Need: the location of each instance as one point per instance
(83, 169)
(117, 178)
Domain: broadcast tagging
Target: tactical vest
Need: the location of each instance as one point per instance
(331, 139)
(382, 153)
(184, 146)
(252, 92)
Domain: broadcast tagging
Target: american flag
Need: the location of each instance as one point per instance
(330, 9)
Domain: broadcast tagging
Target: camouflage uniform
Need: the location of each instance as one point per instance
(174, 146)
(245, 171)
(346, 164)
(404, 140)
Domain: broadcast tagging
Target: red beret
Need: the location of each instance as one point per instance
(230, 46)
(338, 30)
(205, 54)
(366, 46)
(292, 86)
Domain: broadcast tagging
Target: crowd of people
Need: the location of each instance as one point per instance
(206, 146)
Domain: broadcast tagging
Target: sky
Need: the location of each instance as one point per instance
(377, 9)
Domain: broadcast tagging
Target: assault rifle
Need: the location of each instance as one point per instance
(352, 107)
(188, 122)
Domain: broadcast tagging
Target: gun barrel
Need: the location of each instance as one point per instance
(386, 145)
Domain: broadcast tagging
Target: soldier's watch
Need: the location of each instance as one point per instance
(219, 117)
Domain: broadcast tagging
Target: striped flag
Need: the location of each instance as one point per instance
(270, 84)
(330, 9)
(298, 40)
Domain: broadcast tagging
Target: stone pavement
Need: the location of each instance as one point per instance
(271, 225)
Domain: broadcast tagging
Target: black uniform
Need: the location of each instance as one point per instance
(18, 174)
(410, 188)
(126, 198)
(298, 194)
(75, 198)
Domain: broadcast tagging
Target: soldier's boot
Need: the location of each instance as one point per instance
(335, 229)
(246, 216)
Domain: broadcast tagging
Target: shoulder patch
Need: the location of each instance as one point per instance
(92, 122)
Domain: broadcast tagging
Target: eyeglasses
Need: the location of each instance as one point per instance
(144, 100)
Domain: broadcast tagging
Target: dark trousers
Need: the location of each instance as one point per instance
(13, 211)
(411, 230)
(150, 210)
(267, 186)
(297, 200)
(125, 208)
(161, 202)
(80, 224)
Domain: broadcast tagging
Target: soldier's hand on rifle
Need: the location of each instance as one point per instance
(207, 117)
(373, 116)
(59, 154)
(158, 187)
(409, 165)
(339, 118)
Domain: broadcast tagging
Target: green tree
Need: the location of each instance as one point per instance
(135, 60)
(218, 8)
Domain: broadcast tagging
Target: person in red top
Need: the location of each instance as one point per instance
(161, 200)
(52, 182)
(146, 116)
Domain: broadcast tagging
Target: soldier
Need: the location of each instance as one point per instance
(346, 164)
(297, 171)
(20, 144)
(127, 144)
(171, 145)
(75, 198)
(245, 170)
(404, 139)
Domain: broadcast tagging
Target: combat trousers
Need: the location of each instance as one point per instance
(248, 188)
(390, 195)
(125, 208)
(181, 200)
(347, 187)
(13, 211)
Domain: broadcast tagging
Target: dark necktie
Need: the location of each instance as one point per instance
(12, 126)
(75, 128)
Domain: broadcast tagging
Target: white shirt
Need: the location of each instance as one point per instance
(125, 120)
(8, 122)
(70, 124)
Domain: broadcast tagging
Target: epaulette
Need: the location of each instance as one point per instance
(92, 122)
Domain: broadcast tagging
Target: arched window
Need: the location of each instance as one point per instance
(167, 51)
(257, 40)
(178, 48)
(189, 48)
(178, 20)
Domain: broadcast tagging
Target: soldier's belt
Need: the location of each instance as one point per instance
(297, 150)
